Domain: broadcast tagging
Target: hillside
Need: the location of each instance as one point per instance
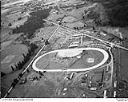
(117, 11)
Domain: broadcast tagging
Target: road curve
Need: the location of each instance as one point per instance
(81, 69)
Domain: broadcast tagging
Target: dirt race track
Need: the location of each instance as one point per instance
(79, 59)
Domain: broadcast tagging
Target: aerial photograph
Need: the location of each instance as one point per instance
(64, 49)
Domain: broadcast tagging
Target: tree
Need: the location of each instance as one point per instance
(47, 42)
(23, 55)
(19, 18)
(16, 66)
(12, 68)
(9, 24)
(2, 74)
(41, 74)
(20, 75)
(15, 81)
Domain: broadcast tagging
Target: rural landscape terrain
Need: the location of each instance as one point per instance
(64, 49)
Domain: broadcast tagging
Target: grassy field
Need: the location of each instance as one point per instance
(11, 55)
(124, 64)
(44, 87)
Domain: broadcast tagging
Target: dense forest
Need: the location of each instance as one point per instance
(117, 11)
(34, 22)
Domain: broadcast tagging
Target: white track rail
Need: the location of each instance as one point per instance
(106, 56)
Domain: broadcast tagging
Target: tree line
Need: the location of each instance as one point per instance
(26, 57)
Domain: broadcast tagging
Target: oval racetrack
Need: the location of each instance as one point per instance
(78, 59)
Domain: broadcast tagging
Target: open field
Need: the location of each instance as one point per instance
(56, 85)
(12, 55)
(124, 64)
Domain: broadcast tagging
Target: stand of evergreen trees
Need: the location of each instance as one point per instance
(2, 74)
(26, 57)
